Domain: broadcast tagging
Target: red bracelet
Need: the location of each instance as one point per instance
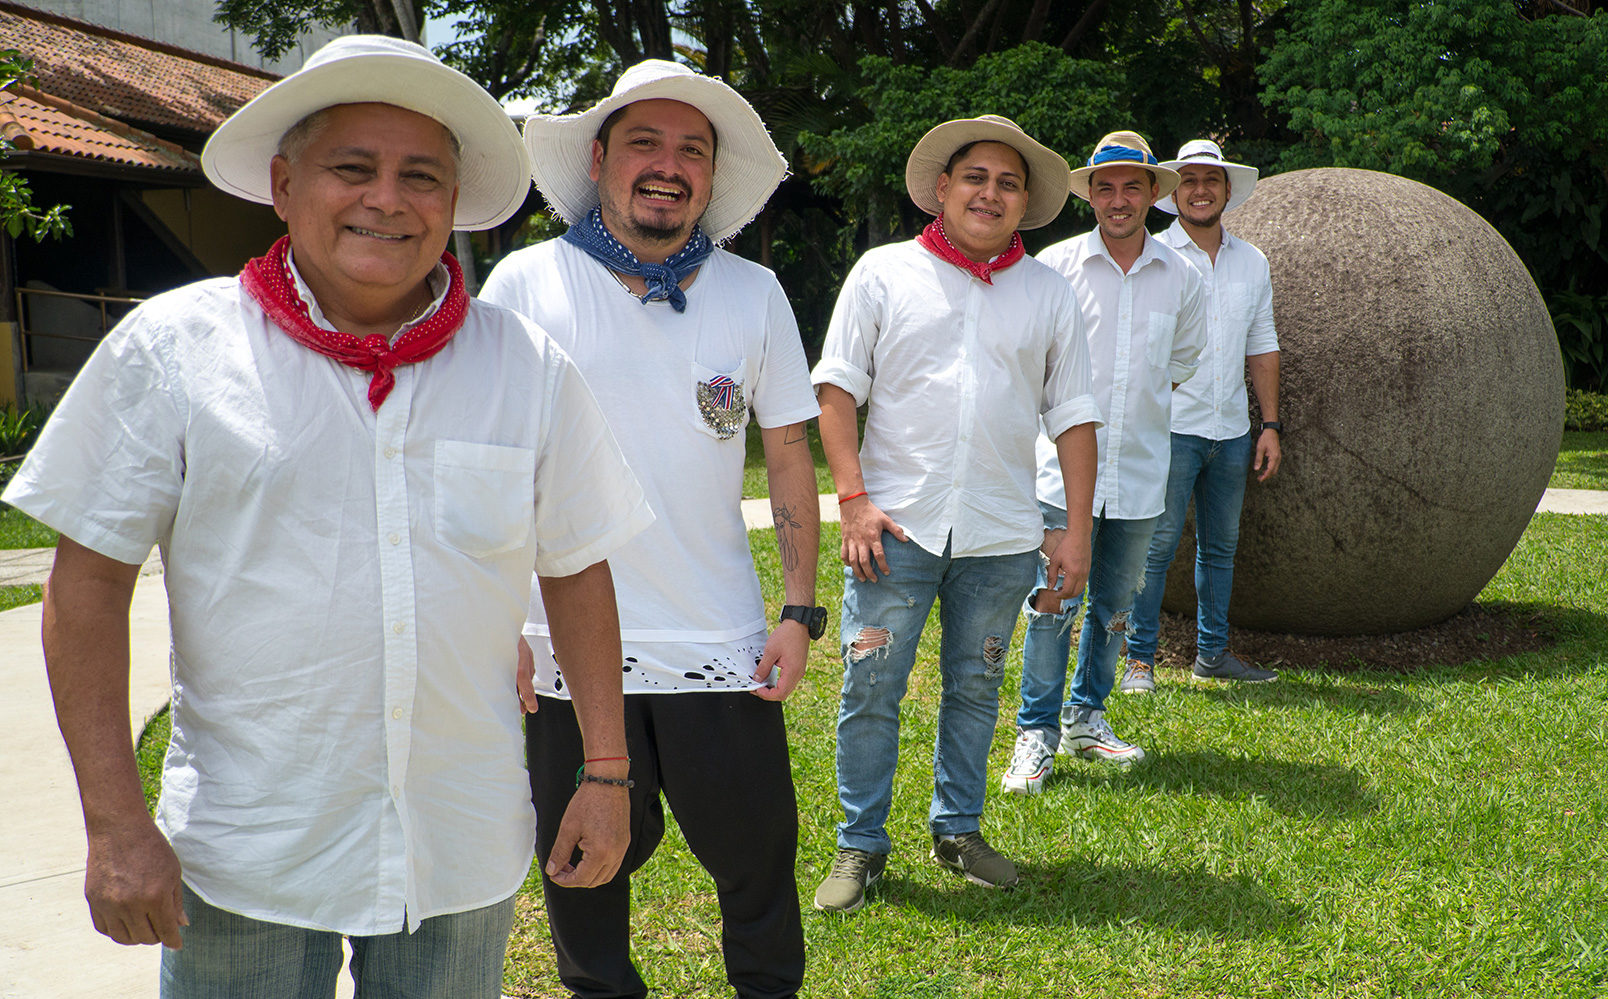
(609, 759)
(844, 499)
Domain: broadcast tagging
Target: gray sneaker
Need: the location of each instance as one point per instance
(971, 855)
(1227, 666)
(1139, 679)
(853, 871)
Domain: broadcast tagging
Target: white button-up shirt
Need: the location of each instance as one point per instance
(346, 589)
(1239, 323)
(958, 375)
(1145, 329)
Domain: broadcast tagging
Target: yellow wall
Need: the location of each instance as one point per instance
(8, 381)
(222, 231)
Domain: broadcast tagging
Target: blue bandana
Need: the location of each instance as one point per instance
(1121, 154)
(664, 280)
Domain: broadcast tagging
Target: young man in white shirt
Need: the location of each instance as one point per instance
(350, 467)
(1212, 449)
(960, 347)
(680, 341)
(1144, 313)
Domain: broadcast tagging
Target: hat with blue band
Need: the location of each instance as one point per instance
(1124, 149)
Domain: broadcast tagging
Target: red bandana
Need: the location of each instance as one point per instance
(268, 280)
(934, 239)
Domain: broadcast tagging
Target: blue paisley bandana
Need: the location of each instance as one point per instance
(664, 280)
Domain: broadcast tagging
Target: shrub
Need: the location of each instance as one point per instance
(1584, 410)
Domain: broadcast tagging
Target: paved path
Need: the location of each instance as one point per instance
(48, 950)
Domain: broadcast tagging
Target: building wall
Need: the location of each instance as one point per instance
(186, 23)
(222, 231)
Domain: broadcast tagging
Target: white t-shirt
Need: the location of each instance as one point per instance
(1239, 323)
(345, 590)
(959, 375)
(1145, 331)
(692, 617)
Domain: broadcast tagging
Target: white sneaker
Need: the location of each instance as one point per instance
(1091, 738)
(1030, 763)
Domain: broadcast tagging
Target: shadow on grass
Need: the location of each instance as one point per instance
(1300, 688)
(1083, 892)
(1311, 789)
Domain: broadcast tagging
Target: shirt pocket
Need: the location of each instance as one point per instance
(484, 497)
(719, 400)
(1159, 347)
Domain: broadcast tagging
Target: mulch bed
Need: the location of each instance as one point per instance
(1476, 632)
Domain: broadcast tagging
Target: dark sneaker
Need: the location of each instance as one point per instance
(971, 855)
(1227, 666)
(1139, 679)
(853, 871)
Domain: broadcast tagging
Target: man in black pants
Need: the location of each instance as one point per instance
(680, 342)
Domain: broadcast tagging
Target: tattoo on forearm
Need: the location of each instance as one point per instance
(786, 546)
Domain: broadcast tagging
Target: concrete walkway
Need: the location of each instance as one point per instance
(48, 949)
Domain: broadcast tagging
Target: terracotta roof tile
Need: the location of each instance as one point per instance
(127, 77)
(40, 123)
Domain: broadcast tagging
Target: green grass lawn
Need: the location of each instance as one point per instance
(1582, 461)
(16, 596)
(754, 482)
(18, 530)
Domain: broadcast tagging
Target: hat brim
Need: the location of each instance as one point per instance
(748, 166)
(1241, 182)
(1165, 178)
(1047, 170)
(493, 173)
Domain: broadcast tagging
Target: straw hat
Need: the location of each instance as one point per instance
(748, 165)
(1241, 178)
(493, 173)
(1124, 149)
(1047, 172)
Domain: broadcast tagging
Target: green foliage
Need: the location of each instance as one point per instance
(18, 214)
(1584, 410)
(1583, 457)
(18, 428)
(1503, 113)
(20, 596)
(1065, 103)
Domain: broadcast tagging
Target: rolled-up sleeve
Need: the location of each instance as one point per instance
(1068, 384)
(851, 340)
(1261, 337)
(1189, 337)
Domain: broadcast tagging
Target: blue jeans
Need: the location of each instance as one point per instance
(226, 954)
(1116, 571)
(881, 624)
(1215, 472)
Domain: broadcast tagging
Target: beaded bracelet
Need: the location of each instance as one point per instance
(582, 777)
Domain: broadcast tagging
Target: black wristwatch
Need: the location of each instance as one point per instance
(813, 618)
(1273, 425)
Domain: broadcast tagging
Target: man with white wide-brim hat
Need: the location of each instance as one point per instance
(683, 343)
(1144, 316)
(961, 347)
(351, 468)
(1212, 439)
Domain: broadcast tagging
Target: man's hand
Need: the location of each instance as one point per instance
(132, 886)
(525, 677)
(787, 650)
(1269, 454)
(1069, 566)
(598, 822)
(863, 524)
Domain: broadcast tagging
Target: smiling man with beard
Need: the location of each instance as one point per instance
(959, 346)
(681, 342)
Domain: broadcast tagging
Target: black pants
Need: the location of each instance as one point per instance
(721, 761)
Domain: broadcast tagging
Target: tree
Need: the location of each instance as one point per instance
(18, 213)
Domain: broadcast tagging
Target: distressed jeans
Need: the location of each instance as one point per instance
(1215, 473)
(1116, 571)
(881, 625)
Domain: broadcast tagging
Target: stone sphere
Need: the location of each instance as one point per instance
(1422, 396)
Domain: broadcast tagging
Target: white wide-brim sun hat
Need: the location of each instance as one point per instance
(1124, 149)
(493, 171)
(748, 166)
(1048, 176)
(1205, 152)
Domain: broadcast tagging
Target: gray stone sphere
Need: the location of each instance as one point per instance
(1422, 398)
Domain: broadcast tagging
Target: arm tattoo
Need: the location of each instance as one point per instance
(795, 433)
(786, 546)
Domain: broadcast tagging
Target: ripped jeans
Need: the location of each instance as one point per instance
(1116, 572)
(881, 624)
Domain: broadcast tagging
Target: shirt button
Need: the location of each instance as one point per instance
(397, 627)
(396, 712)
(394, 538)
(390, 452)
(396, 792)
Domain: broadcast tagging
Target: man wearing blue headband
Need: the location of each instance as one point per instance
(1144, 315)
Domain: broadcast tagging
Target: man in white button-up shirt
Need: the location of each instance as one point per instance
(1212, 448)
(961, 349)
(1143, 310)
(350, 468)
